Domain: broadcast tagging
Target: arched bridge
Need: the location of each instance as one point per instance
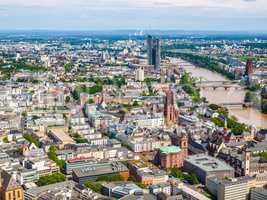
(219, 84)
(236, 105)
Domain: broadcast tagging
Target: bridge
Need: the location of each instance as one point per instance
(236, 105)
(181, 63)
(185, 64)
(219, 84)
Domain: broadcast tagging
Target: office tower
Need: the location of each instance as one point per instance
(229, 188)
(153, 51)
(149, 49)
(140, 74)
(170, 111)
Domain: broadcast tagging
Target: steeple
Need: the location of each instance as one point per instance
(225, 129)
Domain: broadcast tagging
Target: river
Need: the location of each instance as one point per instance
(249, 116)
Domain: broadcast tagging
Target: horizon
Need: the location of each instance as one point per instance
(138, 32)
(133, 29)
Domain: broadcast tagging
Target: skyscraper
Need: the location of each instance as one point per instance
(153, 51)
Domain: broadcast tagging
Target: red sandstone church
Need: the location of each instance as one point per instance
(174, 155)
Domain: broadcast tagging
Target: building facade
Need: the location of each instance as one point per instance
(173, 156)
(153, 51)
(205, 166)
(140, 74)
(170, 111)
(10, 189)
(258, 194)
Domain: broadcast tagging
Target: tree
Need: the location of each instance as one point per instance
(52, 155)
(68, 67)
(20, 150)
(263, 156)
(218, 121)
(193, 179)
(255, 87)
(75, 94)
(264, 106)
(89, 90)
(79, 139)
(185, 79)
(119, 81)
(238, 129)
(95, 89)
(67, 99)
(91, 101)
(31, 139)
(5, 140)
(135, 103)
(214, 106)
(223, 111)
(204, 62)
(96, 187)
(51, 179)
(177, 173)
(188, 86)
(188, 89)
(249, 97)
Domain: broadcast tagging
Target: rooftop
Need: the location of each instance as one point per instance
(57, 186)
(100, 169)
(123, 187)
(138, 196)
(262, 191)
(231, 181)
(170, 149)
(208, 163)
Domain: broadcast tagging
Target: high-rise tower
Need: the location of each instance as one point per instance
(153, 51)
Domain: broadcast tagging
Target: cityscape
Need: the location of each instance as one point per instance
(137, 113)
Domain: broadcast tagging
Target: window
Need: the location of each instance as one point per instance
(18, 193)
(9, 195)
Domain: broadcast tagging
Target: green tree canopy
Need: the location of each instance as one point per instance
(51, 179)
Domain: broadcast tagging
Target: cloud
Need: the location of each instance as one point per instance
(255, 7)
(76, 14)
(123, 3)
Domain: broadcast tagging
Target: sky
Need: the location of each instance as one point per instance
(215, 15)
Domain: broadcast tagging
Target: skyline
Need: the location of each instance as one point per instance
(206, 15)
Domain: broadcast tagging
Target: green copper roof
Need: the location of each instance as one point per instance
(170, 149)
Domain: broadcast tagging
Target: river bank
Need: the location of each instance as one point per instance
(250, 116)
